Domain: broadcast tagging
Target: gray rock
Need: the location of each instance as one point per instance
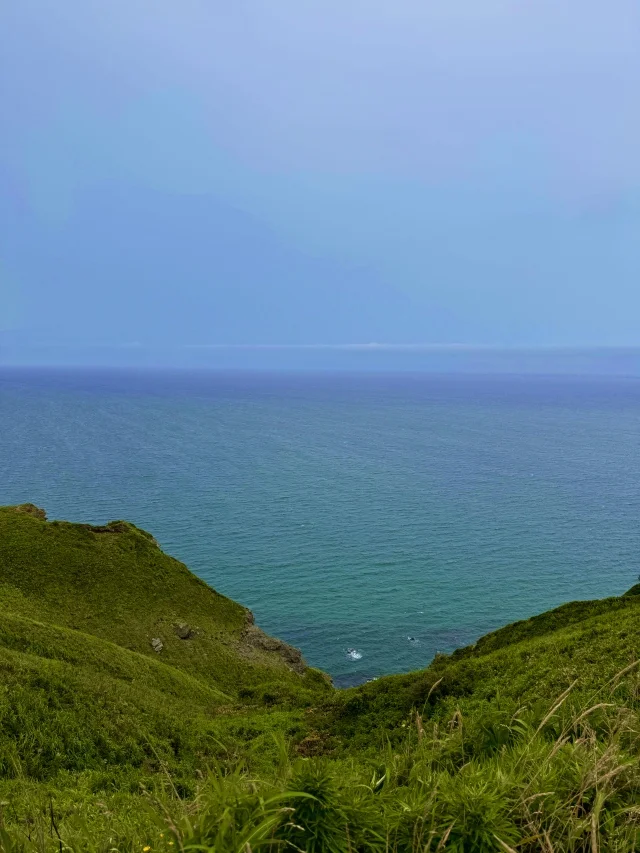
(254, 636)
(157, 645)
(183, 631)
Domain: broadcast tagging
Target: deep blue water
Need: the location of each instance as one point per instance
(349, 512)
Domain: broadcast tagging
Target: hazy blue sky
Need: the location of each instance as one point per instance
(282, 171)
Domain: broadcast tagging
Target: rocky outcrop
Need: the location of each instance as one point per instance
(255, 637)
(184, 631)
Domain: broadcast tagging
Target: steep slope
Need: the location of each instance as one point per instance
(115, 658)
(580, 647)
(72, 702)
(223, 740)
(115, 583)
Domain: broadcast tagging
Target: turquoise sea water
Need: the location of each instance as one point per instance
(348, 511)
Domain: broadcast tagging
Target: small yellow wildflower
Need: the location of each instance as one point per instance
(146, 849)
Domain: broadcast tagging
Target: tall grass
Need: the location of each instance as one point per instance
(571, 782)
(566, 780)
(106, 746)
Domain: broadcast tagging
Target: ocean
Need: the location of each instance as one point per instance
(372, 520)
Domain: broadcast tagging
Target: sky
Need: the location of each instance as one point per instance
(204, 174)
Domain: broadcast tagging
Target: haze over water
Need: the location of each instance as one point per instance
(393, 515)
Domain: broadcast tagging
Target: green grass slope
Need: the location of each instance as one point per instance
(82, 690)
(580, 646)
(527, 741)
(73, 702)
(115, 583)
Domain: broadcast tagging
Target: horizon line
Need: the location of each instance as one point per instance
(371, 346)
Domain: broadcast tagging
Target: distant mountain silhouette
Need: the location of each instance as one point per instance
(132, 264)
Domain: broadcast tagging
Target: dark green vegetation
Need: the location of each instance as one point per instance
(224, 740)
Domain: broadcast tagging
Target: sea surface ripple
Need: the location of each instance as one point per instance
(371, 520)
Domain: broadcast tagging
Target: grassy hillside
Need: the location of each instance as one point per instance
(223, 740)
(86, 700)
(581, 646)
(115, 583)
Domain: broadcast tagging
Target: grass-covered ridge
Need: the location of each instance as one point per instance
(223, 740)
(82, 688)
(115, 583)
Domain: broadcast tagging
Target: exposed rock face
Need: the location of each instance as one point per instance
(157, 645)
(254, 636)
